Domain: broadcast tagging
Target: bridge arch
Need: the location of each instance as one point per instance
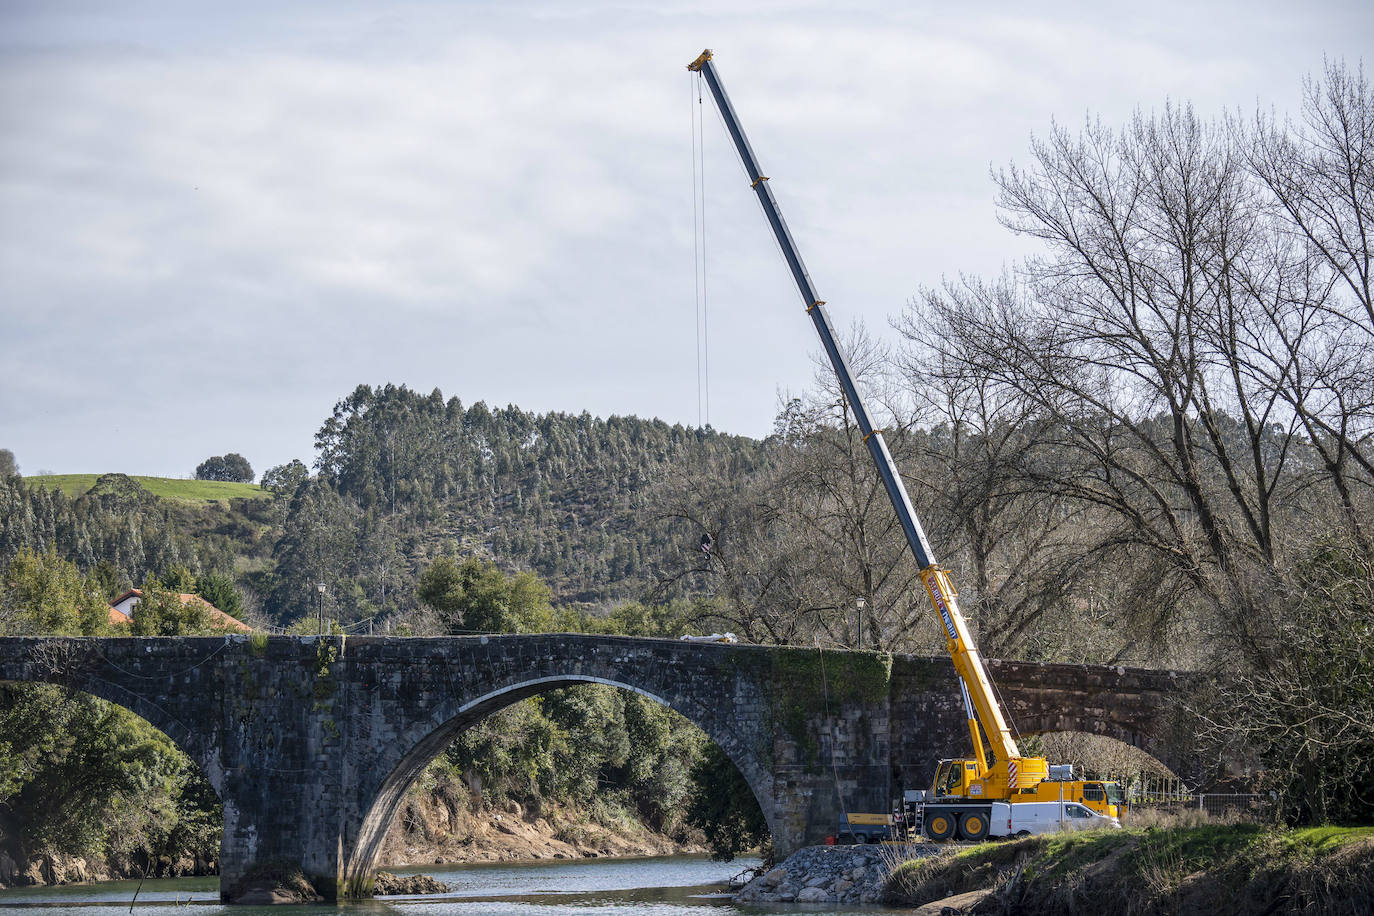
(89, 775)
(66, 662)
(1149, 743)
(427, 739)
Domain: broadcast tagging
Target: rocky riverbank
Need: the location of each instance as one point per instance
(59, 868)
(828, 874)
(432, 830)
(452, 829)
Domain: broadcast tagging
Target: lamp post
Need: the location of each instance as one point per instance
(859, 603)
(319, 622)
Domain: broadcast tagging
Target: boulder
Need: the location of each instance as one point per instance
(273, 883)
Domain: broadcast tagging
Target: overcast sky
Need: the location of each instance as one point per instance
(217, 219)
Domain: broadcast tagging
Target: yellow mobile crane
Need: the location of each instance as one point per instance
(963, 790)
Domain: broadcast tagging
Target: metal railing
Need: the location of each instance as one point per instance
(1245, 805)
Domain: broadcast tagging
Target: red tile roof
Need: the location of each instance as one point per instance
(218, 618)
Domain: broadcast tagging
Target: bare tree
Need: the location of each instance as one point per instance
(1020, 550)
(1319, 178)
(810, 550)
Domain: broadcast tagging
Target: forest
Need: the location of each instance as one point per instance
(1148, 443)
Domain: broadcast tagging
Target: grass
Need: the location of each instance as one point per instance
(190, 491)
(1233, 869)
(1325, 839)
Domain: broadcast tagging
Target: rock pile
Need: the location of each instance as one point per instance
(387, 883)
(826, 874)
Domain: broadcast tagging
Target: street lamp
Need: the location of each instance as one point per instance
(319, 622)
(859, 603)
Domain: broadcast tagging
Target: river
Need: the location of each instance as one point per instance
(667, 886)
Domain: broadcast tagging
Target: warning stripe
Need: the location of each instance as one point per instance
(1011, 775)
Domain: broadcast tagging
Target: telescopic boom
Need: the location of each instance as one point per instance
(978, 696)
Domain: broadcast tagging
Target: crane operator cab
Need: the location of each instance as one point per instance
(957, 779)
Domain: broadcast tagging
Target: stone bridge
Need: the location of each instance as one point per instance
(311, 742)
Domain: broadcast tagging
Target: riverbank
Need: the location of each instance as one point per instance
(61, 868)
(439, 828)
(453, 828)
(1234, 870)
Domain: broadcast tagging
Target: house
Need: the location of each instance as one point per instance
(123, 607)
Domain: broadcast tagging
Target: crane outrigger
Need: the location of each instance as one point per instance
(963, 789)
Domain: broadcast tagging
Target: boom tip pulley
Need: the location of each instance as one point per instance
(697, 64)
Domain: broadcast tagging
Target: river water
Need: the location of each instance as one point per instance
(667, 886)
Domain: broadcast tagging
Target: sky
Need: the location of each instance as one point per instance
(216, 220)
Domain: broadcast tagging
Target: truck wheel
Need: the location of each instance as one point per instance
(940, 826)
(973, 826)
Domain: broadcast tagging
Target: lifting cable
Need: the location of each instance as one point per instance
(830, 731)
(699, 253)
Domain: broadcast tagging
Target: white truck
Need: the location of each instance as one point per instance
(925, 817)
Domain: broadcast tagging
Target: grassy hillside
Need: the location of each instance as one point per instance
(191, 491)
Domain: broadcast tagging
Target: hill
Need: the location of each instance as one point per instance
(404, 477)
(190, 491)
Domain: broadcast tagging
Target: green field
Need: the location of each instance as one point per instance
(191, 491)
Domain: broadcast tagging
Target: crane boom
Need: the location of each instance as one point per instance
(979, 699)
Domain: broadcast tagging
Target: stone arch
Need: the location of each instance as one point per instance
(1104, 727)
(1146, 759)
(186, 737)
(171, 728)
(425, 740)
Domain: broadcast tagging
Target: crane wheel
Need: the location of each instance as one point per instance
(973, 826)
(940, 826)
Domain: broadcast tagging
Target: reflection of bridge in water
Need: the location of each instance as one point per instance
(311, 742)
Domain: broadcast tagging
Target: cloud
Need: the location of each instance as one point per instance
(215, 222)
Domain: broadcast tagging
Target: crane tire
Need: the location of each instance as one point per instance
(974, 826)
(940, 826)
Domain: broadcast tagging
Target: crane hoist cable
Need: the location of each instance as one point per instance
(702, 317)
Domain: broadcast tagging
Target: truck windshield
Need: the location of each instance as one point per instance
(1114, 793)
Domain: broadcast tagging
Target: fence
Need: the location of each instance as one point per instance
(1170, 794)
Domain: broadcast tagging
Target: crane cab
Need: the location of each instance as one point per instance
(959, 779)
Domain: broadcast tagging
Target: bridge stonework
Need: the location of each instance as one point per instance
(311, 742)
